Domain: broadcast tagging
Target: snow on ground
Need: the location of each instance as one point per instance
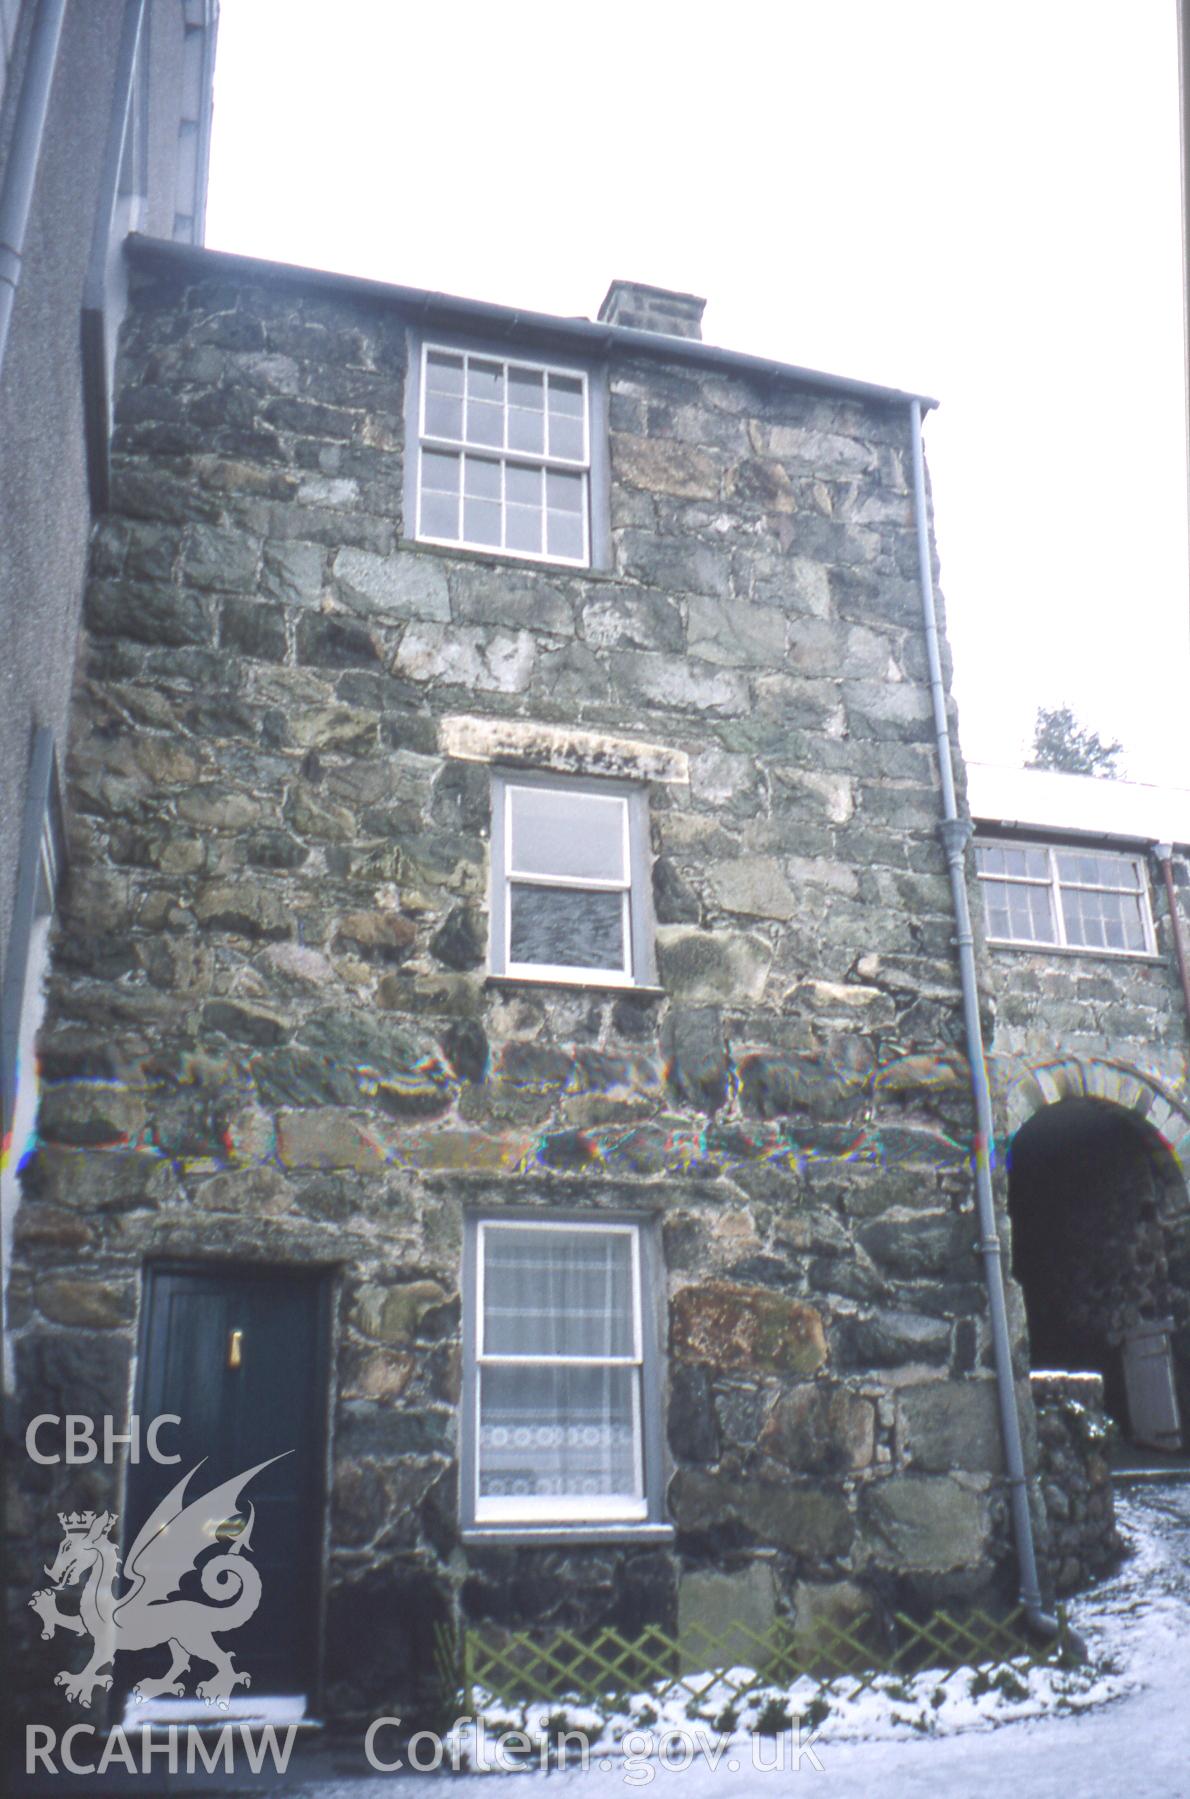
(1122, 1725)
(721, 1726)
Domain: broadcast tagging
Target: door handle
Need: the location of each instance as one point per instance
(235, 1349)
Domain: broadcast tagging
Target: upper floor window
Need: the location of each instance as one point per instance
(1069, 898)
(570, 881)
(504, 455)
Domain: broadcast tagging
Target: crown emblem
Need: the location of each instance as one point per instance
(77, 1524)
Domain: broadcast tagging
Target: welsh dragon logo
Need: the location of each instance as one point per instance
(176, 1538)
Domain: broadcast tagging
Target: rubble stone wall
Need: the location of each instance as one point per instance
(271, 1032)
(1120, 1009)
(1074, 1437)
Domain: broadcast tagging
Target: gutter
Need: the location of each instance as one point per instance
(956, 833)
(486, 318)
(20, 172)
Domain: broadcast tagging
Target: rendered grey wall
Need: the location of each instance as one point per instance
(44, 508)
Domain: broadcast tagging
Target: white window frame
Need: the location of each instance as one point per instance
(1137, 888)
(566, 1514)
(562, 1509)
(638, 969)
(504, 455)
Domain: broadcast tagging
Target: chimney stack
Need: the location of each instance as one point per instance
(645, 308)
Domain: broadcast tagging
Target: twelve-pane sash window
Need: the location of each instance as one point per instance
(1071, 898)
(563, 877)
(557, 1417)
(504, 456)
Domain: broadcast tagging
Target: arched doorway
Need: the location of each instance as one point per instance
(1093, 1193)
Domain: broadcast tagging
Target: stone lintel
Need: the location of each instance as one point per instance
(560, 748)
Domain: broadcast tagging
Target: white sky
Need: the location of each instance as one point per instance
(978, 202)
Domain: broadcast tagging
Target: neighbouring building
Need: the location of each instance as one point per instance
(1080, 879)
(503, 1052)
(104, 119)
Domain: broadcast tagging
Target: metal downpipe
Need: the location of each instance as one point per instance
(20, 173)
(1164, 855)
(956, 833)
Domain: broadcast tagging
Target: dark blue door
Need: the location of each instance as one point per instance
(239, 1355)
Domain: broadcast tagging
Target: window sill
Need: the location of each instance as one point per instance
(1078, 950)
(640, 990)
(504, 559)
(533, 1536)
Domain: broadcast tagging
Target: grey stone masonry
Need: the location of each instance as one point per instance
(1075, 1439)
(272, 1037)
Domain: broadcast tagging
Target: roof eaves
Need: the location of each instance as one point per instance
(493, 319)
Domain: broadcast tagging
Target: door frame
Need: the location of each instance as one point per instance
(325, 1278)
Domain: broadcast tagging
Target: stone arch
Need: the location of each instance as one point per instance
(1097, 1155)
(1025, 1087)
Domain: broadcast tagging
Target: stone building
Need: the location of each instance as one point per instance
(504, 1053)
(1091, 1063)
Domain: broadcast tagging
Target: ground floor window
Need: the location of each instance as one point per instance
(561, 1396)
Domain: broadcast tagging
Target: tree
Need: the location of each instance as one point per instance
(1059, 741)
